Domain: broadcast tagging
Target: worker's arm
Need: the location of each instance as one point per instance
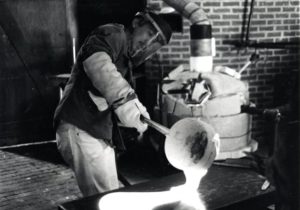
(107, 80)
(115, 89)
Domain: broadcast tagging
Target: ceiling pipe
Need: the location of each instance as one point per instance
(189, 10)
(202, 43)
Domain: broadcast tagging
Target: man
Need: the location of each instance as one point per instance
(283, 166)
(98, 89)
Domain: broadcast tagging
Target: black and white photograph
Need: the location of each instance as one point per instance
(149, 104)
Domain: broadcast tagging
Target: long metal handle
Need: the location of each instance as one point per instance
(160, 128)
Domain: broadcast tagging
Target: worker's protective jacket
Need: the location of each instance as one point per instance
(97, 83)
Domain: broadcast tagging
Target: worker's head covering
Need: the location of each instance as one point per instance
(161, 36)
(163, 28)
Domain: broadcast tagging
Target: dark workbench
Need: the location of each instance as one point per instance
(222, 188)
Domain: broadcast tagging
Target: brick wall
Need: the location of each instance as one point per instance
(272, 21)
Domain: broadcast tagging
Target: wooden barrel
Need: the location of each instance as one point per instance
(224, 114)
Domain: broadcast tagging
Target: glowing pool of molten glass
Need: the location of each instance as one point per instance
(181, 197)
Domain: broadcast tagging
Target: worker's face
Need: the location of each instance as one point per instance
(144, 43)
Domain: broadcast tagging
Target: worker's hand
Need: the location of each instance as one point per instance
(222, 84)
(129, 115)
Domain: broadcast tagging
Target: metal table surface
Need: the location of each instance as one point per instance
(222, 188)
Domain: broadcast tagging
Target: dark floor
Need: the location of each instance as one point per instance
(36, 178)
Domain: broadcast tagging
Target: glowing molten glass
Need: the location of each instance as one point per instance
(183, 197)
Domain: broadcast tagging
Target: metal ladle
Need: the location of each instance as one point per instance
(190, 144)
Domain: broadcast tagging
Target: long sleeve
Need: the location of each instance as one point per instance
(107, 80)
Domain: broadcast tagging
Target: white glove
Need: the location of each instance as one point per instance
(129, 114)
